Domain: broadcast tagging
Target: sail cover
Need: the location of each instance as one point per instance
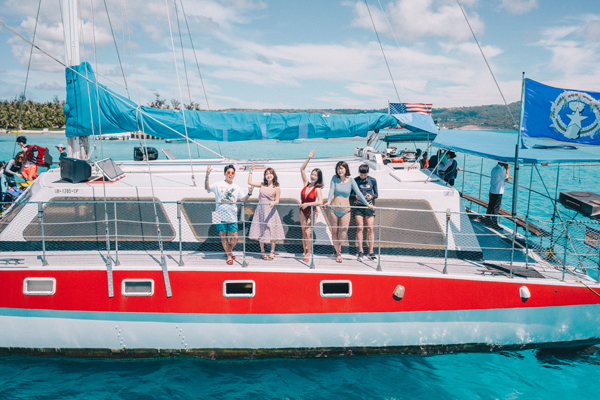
(561, 114)
(95, 109)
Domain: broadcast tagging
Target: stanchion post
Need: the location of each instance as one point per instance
(41, 219)
(244, 262)
(445, 271)
(379, 244)
(527, 242)
(116, 237)
(566, 244)
(180, 240)
(312, 230)
(512, 250)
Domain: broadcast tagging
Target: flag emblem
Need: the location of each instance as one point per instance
(406, 108)
(575, 115)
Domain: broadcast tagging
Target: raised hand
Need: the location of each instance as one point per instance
(312, 154)
(208, 170)
(252, 167)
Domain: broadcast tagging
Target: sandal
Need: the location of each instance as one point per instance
(272, 255)
(265, 257)
(306, 258)
(338, 259)
(229, 261)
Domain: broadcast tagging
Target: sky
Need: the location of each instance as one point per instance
(309, 54)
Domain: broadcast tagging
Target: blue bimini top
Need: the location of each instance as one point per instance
(336, 188)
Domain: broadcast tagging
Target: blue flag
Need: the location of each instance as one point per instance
(561, 114)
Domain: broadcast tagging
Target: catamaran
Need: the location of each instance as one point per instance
(122, 259)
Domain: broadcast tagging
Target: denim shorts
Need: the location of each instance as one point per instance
(227, 227)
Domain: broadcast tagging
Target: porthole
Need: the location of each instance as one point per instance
(238, 288)
(137, 287)
(336, 288)
(39, 286)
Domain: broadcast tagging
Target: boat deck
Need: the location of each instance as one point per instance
(488, 269)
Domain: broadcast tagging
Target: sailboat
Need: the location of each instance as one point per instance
(122, 259)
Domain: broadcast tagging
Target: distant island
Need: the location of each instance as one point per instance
(492, 117)
(33, 115)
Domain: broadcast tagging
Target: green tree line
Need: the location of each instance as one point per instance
(33, 115)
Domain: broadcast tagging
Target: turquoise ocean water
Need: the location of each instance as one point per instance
(528, 374)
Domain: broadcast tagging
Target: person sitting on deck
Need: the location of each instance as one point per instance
(14, 168)
(424, 161)
(450, 168)
(499, 175)
(227, 194)
(61, 151)
(368, 187)
(339, 195)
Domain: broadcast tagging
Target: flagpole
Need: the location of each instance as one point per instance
(517, 147)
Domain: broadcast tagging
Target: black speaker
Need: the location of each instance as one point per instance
(75, 170)
(138, 153)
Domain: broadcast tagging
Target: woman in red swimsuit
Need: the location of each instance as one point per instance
(310, 196)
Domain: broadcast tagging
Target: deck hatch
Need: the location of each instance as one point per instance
(238, 288)
(198, 214)
(39, 286)
(137, 287)
(75, 219)
(336, 288)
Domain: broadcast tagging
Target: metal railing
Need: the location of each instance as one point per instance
(185, 230)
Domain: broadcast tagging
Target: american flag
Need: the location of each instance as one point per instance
(405, 108)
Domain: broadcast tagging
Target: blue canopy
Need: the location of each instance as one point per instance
(501, 147)
(85, 100)
(417, 122)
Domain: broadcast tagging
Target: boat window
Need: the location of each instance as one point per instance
(39, 286)
(198, 213)
(238, 288)
(137, 287)
(336, 288)
(80, 219)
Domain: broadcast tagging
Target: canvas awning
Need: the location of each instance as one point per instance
(501, 147)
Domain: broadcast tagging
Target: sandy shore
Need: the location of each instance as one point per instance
(478, 128)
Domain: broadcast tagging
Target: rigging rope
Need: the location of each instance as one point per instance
(194, 50)
(27, 76)
(197, 65)
(117, 49)
(382, 52)
(184, 66)
(180, 95)
(486, 63)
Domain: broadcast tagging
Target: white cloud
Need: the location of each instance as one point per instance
(519, 6)
(592, 30)
(416, 19)
(572, 55)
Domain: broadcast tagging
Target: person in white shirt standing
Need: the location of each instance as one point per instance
(227, 194)
(499, 175)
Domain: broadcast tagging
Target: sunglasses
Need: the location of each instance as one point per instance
(230, 172)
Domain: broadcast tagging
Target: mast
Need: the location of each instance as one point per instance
(78, 147)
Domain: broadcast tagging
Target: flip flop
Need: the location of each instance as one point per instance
(229, 261)
(338, 259)
(306, 258)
